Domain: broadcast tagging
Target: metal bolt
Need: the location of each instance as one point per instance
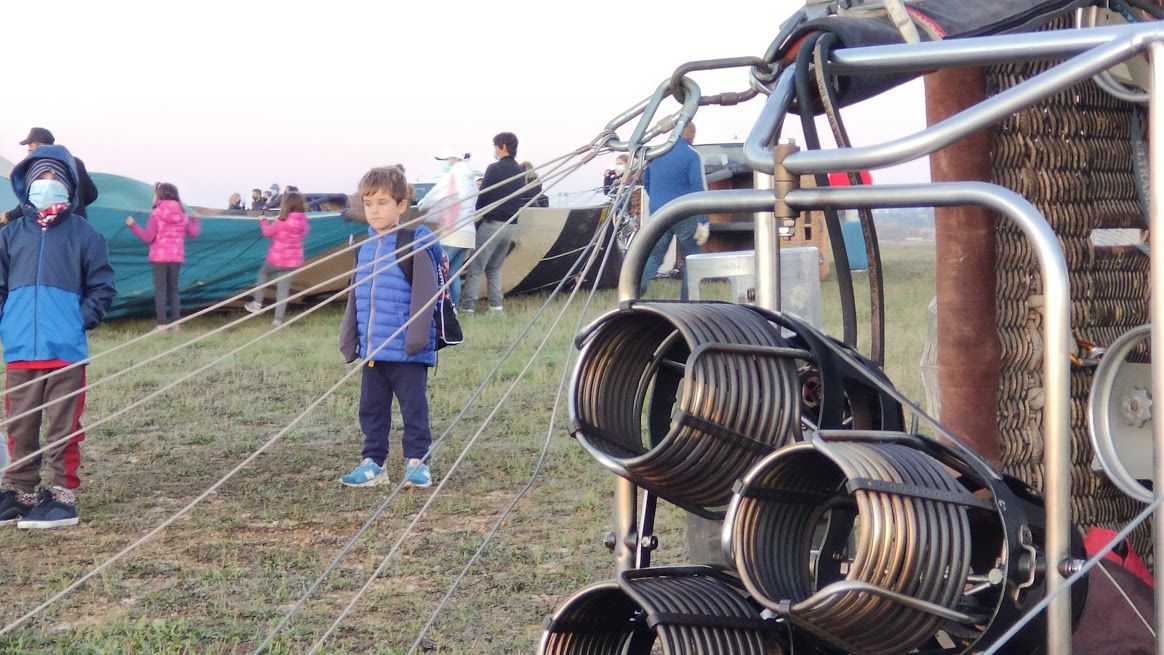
(1070, 567)
(608, 540)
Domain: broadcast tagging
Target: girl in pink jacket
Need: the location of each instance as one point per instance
(285, 253)
(166, 232)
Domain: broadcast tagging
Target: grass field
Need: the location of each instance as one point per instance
(220, 578)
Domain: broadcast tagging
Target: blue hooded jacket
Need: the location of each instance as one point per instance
(55, 281)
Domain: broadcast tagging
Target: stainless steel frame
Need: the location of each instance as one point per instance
(1092, 51)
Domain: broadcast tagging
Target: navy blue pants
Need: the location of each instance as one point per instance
(409, 384)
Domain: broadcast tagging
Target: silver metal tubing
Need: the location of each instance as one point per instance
(1056, 341)
(626, 530)
(758, 146)
(978, 51)
(981, 115)
(692, 204)
(625, 492)
(767, 251)
(1156, 314)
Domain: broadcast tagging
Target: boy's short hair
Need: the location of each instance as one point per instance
(385, 178)
(507, 139)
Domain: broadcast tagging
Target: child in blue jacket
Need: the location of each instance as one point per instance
(55, 283)
(380, 303)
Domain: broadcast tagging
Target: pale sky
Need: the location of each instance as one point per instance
(219, 97)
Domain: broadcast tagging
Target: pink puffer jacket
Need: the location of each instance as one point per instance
(286, 237)
(166, 232)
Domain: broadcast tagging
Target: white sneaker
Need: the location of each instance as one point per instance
(496, 308)
(253, 307)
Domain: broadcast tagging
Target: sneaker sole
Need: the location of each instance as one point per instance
(45, 525)
(374, 482)
(408, 484)
(10, 521)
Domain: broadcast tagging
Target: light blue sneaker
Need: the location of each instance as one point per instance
(416, 474)
(367, 474)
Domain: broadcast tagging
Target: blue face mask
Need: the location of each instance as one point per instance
(44, 193)
(446, 166)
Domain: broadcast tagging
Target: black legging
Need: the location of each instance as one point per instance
(166, 291)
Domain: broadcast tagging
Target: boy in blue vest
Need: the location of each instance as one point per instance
(55, 283)
(379, 304)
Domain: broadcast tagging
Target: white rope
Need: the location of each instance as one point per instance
(1132, 605)
(557, 162)
(448, 476)
(63, 441)
(1075, 577)
(387, 502)
(533, 476)
(267, 444)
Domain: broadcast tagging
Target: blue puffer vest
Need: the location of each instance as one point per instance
(383, 296)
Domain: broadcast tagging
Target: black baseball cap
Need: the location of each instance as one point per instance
(39, 135)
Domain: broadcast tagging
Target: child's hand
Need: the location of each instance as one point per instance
(129, 222)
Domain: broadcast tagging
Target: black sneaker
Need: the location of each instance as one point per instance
(55, 508)
(14, 505)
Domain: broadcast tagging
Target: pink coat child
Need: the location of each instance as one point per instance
(284, 255)
(166, 232)
(287, 235)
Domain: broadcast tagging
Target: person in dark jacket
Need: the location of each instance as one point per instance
(55, 283)
(502, 184)
(37, 137)
(533, 196)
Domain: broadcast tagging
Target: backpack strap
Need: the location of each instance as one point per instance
(405, 236)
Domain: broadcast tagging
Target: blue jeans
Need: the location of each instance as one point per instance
(490, 256)
(684, 233)
(408, 382)
(456, 261)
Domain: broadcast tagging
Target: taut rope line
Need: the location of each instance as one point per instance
(448, 430)
(63, 441)
(448, 475)
(250, 458)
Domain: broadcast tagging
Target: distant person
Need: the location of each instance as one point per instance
(235, 203)
(284, 255)
(502, 184)
(266, 199)
(611, 177)
(37, 137)
(533, 197)
(670, 176)
(379, 303)
(166, 232)
(449, 208)
(258, 203)
(55, 283)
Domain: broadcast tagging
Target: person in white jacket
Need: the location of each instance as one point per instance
(449, 207)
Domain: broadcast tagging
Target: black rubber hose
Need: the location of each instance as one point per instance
(919, 547)
(868, 229)
(694, 612)
(804, 100)
(738, 400)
